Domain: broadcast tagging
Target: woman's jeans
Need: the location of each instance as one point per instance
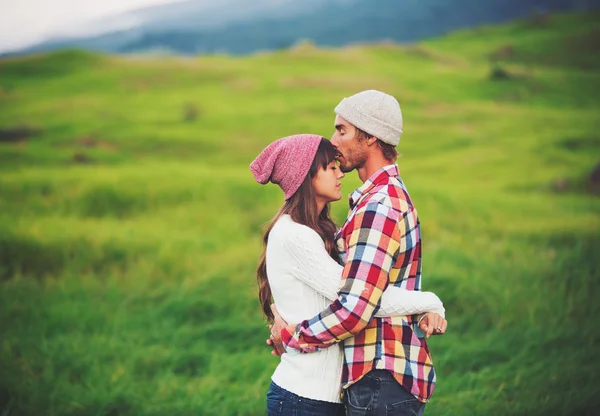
(281, 402)
(379, 394)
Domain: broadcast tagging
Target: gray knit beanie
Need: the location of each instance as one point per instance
(374, 112)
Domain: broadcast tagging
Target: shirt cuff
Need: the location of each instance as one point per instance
(289, 343)
(290, 339)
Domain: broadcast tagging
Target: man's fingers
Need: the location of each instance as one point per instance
(278, 321)
(274, 310)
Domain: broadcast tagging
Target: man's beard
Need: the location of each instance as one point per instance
(346, 169)
(356, 161)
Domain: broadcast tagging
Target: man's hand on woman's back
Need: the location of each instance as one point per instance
(275, 340)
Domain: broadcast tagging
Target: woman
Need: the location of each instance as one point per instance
(300, 270)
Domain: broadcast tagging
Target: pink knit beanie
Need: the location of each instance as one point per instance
(286, 162)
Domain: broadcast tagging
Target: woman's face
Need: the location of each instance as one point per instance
(327, 185)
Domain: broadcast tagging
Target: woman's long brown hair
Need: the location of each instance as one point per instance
(302, 207)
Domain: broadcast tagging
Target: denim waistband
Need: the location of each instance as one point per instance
(288, 395)
(382, 376)
(283, 392)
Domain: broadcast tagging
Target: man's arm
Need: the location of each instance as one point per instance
(315, 268)
(319, 271)
(374, 245)
(431, 323)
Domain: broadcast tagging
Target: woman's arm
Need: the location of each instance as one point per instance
(317, 269)
(397, 301)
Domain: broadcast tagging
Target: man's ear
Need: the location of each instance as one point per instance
(371, 140)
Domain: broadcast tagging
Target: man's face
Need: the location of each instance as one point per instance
(352, 153)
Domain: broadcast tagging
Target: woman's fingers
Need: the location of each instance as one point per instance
(424, 325)
(433, 324)
(437, 324)
(444, 326)
(430, 324)
(440, 326)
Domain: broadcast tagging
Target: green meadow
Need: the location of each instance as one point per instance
(130, 225)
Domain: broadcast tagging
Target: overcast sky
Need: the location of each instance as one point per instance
(23, 22)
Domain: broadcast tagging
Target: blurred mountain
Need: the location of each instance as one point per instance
(239, 26)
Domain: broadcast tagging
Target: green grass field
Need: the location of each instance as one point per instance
(130, 225)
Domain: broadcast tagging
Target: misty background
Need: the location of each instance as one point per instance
(239, 27)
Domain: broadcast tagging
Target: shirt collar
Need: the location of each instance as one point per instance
(377, 178)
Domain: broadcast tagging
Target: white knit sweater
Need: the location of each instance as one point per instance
(304, 280)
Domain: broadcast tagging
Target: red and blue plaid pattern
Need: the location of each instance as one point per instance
(382, 242)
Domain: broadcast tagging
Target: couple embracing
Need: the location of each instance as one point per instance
(349, 319)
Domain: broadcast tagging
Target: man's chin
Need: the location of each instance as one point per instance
(346, 168)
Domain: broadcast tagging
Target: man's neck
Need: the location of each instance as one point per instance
(372, 165)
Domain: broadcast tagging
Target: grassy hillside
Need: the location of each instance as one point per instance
(130, 224)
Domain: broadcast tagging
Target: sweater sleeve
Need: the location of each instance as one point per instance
(374, 244)
(315, 268)
(396, 301)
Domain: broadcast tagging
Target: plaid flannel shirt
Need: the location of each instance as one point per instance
(382, 242)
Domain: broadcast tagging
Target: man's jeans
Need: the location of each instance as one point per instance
(281, 402)
(379, 394)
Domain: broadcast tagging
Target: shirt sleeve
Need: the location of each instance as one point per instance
(315, 268)
(377, 239)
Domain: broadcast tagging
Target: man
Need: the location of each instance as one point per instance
(387, 367)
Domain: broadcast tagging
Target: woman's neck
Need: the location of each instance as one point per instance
(320, 206)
